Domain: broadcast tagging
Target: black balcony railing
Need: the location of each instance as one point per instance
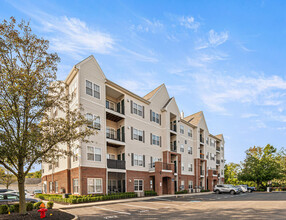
(173, 127)
(202, 139)
(173, 146)
(116, 164)
(202, 156)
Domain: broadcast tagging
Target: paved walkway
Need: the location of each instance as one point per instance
(61, 206)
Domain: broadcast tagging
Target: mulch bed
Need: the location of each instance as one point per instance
(33, 215)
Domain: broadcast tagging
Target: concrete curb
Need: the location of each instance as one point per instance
(126, 200)
(75, 216)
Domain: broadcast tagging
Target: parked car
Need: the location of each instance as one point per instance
(7, 198)
(37, 191)
(6, 190)
(28, 195)
(226, 188)
(250, 188)
(242, 188)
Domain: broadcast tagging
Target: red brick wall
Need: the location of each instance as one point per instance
(132, 175)
(61, 177)
(186, 178)
(91, 172)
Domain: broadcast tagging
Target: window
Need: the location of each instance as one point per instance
(110, 105)
(182, 129)
(155, 140)
(96, 91)
(183, 168)
(93, 121)
(182, 185)
(88, 85)
(12, 197)
(110, 133)
(186, 141)
(138, 160)
(207, 140)
(190, 184)
(138, 185)
(190, 150)
(155, 117)
(94, 185)
(50, 166)
(75, 155)
(56, 187)
(93, 153)
(50, 186)
(92, 90)
(137, 109)
(153, 160)
(182, 148)
(57, 162)
(208, 153)
(75, 185)
(137, 135)
(190, 133)
(190, 167)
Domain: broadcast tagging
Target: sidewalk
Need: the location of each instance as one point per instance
(60, 206)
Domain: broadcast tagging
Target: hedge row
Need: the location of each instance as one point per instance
(150, 193)
(74, 199)
(182, 192)
(4, 209)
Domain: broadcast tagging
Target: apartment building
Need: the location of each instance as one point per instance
(140, 143)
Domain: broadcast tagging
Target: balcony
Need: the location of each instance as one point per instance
(116, 164)
(114, 112)
(173, 146)
(218, 149)
(218, 162)
(166, 167)
(202, 139)
(215, 172)
(115, 138)
(202, 156)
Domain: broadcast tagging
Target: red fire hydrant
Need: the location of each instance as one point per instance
(42, 210)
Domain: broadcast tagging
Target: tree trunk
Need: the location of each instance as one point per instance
(21, 187)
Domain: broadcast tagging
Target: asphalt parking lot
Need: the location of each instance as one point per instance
(209, 206)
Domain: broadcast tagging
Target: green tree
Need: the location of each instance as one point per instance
(29, 96)
(261, 165)
(6, 177)
(231, 172)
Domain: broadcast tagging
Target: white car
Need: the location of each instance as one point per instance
(27, 195)
(243, 188)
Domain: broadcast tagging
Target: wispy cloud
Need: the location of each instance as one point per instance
(214, 39)
(148, 26)
(249, 115)
(189, 22)
(218, 90)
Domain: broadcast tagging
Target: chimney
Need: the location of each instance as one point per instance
(182, 114)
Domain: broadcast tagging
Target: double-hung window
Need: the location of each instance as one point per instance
(51, 187)
(92, 89)
(138, 160)
(182, 185)
(190, 184)
(137, 109)
(182, 129)
(93, 153)
(93, 121)
(190, 150)
(56, 187)
(182, 148)
(155, 140)
(75, 185)
(190, 132)
(183, 167)
(190, 166)
(137, 134)
(94, 185)
(138, 185)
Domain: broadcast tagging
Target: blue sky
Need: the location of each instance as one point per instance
(226, 58)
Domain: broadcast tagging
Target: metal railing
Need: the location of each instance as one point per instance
(116, 164)
(112, 134)
(173, 146)
(202, 156)
(202, 139)
(173, 127)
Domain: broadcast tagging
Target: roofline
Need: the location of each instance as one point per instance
(188, 123)
(215, 137)
(71, 75)
(108, 82)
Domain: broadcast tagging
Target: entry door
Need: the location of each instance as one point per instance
(175, 182)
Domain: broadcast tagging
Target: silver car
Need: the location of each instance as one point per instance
(226, 188)
(7, 198)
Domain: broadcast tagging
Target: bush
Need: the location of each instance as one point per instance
(4, 209)
(37, 205)
(205, 190)
(50, 205)
(150, 193)
(182, 192)
(11, 208)
(29, 206)
(16, 207)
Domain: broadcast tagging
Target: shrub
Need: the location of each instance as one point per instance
(16, 207)
(205, 190)
(150, 193)
(11, 208)
(4, 209)
(50, 205)
(37, 205)
(182, 192)
(29, 206)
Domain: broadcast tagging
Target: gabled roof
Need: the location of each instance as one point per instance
(152, 93)
(194, 118)
(219, 136)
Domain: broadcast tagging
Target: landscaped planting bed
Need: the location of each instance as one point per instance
(74, 199)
